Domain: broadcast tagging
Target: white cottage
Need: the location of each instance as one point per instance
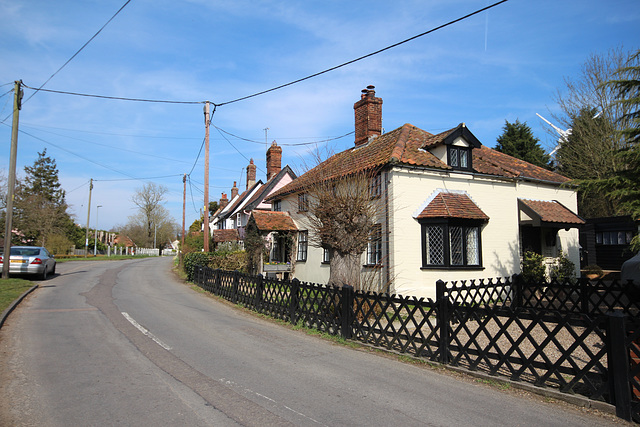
(453, 208)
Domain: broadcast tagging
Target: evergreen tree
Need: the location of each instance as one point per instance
(40, 207)
(517, 140)
(42, 179)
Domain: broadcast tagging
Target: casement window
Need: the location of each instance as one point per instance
(303, 202)
(459, 157)
(303, 245)
(614, 237)
(374, 246)
(451, 244)
(375, 186)
(326, 256)
(277, 205)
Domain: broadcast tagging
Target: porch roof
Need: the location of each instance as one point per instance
(227, 235)
(452, 205)
(273, 221)
(551, 212)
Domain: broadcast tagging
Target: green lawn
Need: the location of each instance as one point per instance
(11, 289)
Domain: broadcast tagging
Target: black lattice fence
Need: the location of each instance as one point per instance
(577, 337)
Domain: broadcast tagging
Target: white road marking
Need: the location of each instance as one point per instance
(145, 331)
(233, 384)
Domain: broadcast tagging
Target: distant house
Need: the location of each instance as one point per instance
(233, 214)
(453, 208)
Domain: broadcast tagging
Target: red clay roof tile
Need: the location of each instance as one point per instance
(452, 205)
(409, 145)
(552, 211)
(273, 221)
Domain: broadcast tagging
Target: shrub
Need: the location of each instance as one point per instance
(192, 260)
(223, 260)
(564, 270)
(533, 268)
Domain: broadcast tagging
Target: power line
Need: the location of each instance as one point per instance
(285, 144)
(239, 152)
(72, 153)
(197, 158)
(367, 55)
(79, 50)
(137, 179)
(274, 88)
(114, 148)
(118, 98)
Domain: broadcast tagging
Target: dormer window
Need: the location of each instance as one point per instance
(459, 157)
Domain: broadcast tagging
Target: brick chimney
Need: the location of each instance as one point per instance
(368, 113)
(251, 174)
(234, 190)
(223, 201)
(274, 160)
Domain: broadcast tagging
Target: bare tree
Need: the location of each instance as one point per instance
(342, 211)
(152, 222)
(587, 107)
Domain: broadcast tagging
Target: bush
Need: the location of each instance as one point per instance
(564, 270)
(533, 270)
(192, 260)
(223, 260)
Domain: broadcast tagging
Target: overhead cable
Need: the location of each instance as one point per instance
(285, 144)
(79, 50)
(119, 98)
(367, 55)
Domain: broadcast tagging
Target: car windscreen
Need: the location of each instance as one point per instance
(25, 251)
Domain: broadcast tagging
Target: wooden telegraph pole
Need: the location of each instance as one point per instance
(17, 105)
(86, 233)
(184, 208)
(206, 177)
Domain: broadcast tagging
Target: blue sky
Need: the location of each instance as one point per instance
(505, 64)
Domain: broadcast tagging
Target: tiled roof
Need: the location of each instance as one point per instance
(552, 211)
(227, 235)
(273, 221)
(409, 145)
(452, 205)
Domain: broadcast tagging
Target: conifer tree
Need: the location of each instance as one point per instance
(517, 140)
(41, 208)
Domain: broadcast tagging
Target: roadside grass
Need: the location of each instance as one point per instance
(11, 289)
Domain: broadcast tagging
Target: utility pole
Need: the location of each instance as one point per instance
(17, 105)
(206, 177)
(86, 234)
(184, 206)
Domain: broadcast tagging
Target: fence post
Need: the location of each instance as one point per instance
(516, 283)
(347, 316)
(618, 364)
(293, 300)
(585, 297)
(234, 291)
(443, 321)
(259, 291)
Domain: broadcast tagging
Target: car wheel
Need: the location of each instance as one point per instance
(43, 276)
(53, 272)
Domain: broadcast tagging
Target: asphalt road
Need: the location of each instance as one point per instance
(125, 343)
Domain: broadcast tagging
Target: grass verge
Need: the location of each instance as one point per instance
(11, 289)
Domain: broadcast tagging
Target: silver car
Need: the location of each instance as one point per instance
(30, 260)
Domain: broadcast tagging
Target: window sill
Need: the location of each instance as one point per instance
(301, 260)
(447, 267)
(379, 265)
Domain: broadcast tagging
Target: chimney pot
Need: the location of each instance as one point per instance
(368, 116)
(274, 160)
(251, 174)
